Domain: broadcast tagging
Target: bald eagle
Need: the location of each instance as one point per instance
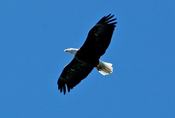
(88, 56)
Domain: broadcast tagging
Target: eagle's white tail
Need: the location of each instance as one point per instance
(104, 68)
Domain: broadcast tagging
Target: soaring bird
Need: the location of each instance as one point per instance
(88, 56)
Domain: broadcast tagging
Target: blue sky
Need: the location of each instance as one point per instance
(33, 35)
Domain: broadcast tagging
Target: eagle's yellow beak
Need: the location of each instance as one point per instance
(66, 50)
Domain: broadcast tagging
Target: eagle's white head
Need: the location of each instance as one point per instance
(72, 51)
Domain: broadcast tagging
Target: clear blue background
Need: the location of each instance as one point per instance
(33, 35)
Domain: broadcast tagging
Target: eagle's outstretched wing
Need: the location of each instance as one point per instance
(99, 38)
(72, 74)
